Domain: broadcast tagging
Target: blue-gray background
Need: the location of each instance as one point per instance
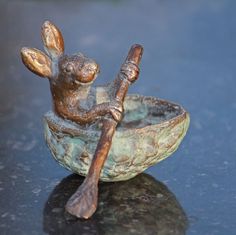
(189, 58)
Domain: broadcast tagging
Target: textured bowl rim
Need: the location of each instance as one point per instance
(75, 129)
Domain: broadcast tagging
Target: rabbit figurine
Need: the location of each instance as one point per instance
(70, 79)
(99, 152)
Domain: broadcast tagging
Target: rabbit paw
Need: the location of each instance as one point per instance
(130, 71)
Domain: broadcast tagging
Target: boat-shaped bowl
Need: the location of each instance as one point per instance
(150, 131)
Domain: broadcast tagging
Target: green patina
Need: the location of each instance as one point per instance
(151, 130)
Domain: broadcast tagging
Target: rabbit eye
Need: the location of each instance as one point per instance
(69, 68)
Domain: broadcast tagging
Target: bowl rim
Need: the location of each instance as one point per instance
(74, 129)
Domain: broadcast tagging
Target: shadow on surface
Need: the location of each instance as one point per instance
(141, 205)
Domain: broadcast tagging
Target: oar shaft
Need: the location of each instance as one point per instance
(134, 56)
(102, 150)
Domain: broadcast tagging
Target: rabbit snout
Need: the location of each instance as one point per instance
(79, 68)
(88, 72)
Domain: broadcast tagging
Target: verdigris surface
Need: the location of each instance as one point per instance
(151, 130)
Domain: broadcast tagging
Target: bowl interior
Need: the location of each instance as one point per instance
(144, 111)
(140, 111)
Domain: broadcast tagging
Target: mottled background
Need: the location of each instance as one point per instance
(189, 58)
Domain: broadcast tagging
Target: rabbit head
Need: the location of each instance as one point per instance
(68, 71)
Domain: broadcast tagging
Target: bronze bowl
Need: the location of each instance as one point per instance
(150, 131)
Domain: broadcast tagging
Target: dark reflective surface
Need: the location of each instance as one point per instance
(189, 58)
(141, 205)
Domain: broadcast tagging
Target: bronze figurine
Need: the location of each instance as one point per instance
(83, 115)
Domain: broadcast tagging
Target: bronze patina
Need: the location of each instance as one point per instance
(80, 129)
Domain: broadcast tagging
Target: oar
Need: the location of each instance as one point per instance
(83, 202)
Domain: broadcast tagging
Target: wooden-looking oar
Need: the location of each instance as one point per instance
(83, 202)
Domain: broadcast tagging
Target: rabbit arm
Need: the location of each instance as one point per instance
(98, 111)
(113, 86)
(130, 71)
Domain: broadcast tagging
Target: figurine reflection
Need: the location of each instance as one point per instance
(141, 205)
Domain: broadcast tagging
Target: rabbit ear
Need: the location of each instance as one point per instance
(52, 40)
(36, 61)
